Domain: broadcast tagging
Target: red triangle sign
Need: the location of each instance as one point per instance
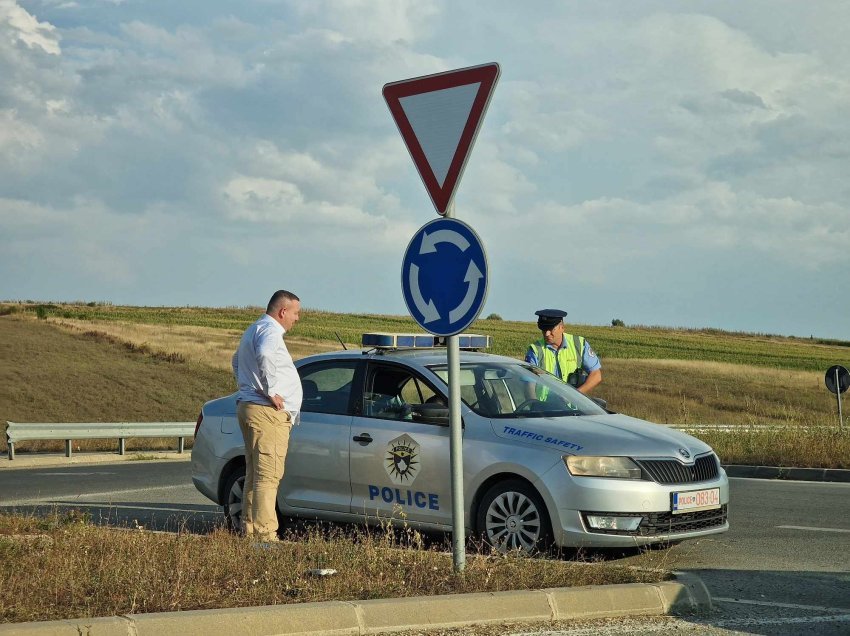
(438, 117)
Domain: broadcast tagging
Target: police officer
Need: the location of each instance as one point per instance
(569, 357)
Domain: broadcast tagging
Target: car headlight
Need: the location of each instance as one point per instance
(612, 467)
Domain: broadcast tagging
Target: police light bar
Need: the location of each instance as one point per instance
(398, 340)
(423, 341)
(467, 341)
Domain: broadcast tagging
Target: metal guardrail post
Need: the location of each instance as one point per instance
(121, 444)
(181, 442)
(11, 450)
(68, 448)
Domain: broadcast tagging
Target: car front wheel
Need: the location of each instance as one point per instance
(512, 516)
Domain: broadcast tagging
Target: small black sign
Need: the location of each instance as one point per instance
(837, 379)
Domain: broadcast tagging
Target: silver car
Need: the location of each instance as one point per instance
(542, 463)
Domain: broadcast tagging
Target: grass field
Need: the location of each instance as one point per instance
(510, 338)
(62, 566)
(89, 362)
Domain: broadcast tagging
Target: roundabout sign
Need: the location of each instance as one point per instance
(444, 276)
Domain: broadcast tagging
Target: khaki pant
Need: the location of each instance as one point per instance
(266, 434)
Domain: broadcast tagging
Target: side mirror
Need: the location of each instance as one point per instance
(430, 413)
(600, 402)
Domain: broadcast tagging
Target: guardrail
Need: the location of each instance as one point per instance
(742, 428)
(30, 431)
(21, 432)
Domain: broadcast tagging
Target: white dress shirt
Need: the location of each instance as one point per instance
(263, 367)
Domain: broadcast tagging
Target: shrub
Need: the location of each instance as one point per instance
(41, 312)
(493, 317)
(617, 323)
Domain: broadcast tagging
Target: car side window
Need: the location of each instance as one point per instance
(391, 391)
(327, 387)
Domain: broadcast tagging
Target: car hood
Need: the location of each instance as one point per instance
(613, 434)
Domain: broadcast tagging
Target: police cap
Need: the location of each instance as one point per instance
(549, 318)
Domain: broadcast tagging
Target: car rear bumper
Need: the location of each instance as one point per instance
(206, 468)
(205, 483)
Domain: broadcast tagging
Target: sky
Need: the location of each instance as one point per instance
(683, 164)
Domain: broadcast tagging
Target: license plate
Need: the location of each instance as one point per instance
(696, 500)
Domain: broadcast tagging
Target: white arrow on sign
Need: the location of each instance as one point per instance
(428, 310)
(472, 278)
(429, 241)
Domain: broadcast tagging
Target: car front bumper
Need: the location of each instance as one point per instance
(574, 498)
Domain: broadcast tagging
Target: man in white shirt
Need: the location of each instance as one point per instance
(268, 403)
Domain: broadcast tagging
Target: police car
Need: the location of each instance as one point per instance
(542, 463)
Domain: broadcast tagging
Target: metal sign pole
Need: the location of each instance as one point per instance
(456, 451)
(838, 397)
(456, 447)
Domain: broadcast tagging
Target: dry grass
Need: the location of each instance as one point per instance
(510, 337)
(664, 391)
(790, 446)
(699, 392)
(86, 570)
(68, 370)
(49, 375)
(202, 345)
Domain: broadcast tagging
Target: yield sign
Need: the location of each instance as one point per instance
(438, 117)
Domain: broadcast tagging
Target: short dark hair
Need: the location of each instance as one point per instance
(280, 296)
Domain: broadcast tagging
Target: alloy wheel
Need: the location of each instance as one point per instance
(513, 522)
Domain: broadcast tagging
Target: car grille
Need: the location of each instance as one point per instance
(672, 471)
(662, 523)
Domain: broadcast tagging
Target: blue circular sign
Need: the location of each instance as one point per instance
(837, 379)
(444, 276)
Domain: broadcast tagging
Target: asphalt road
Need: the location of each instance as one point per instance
(783, 568)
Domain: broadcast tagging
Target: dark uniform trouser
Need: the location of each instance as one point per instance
(266, 434)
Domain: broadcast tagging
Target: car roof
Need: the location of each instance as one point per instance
(412, 357)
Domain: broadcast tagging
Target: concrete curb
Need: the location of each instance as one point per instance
(789, 473)
(59, 459)
(687, 594)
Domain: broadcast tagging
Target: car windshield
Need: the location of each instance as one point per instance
(517, 390)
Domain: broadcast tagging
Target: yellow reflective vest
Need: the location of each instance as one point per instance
(569, 356)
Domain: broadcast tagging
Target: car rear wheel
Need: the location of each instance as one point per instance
(512, 516)
(233, 495)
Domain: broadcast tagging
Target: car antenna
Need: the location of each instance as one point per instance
(340, 341)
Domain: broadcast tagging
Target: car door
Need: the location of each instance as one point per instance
(398, 467)
(316, 472)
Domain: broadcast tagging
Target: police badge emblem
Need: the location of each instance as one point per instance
(402, 460)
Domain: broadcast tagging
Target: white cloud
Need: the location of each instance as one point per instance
(621, 139)
(373, 21)
(24, 27)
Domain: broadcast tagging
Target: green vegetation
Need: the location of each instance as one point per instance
(510, 337)
(105, 363)
(62, 566)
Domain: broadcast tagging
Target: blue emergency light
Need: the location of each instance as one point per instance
(423, 341)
